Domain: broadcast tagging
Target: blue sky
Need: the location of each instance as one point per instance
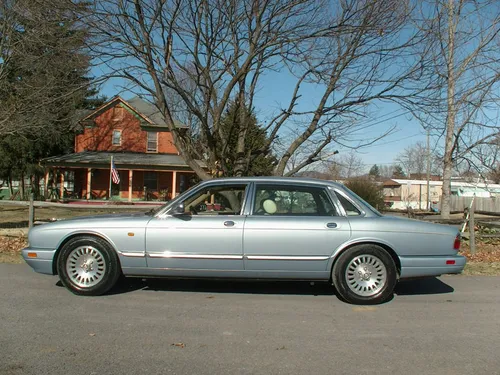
(407, 131)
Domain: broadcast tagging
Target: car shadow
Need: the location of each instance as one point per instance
(428, 285)
(224, 286)
(422, 286)
(124, 285)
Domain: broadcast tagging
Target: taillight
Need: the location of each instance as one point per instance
(456, 244)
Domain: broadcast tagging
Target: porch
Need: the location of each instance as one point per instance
(143, 177)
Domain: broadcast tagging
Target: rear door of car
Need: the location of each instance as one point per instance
(292, 228)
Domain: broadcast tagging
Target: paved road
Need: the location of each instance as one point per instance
(449, 325)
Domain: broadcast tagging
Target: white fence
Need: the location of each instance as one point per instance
(482, 204)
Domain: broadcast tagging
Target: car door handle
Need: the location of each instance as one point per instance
(229, 223)
(331, 225)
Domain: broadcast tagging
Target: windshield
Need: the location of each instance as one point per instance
(157, 210)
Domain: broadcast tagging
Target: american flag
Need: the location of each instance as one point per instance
(115, 176)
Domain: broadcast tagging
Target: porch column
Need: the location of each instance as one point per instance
(46, 183)
(174, 184)
(89, 183)
(130, 176)
(61, 189)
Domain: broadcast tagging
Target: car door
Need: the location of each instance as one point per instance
(207, 235)
(292, 228)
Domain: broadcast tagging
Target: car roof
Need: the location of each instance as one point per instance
(275, 179)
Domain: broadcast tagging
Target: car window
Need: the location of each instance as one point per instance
(285, 200)
(349, 207)
(367, 205)
(216, 200)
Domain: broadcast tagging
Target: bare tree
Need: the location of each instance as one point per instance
(386, 171)
(352, 51)
(414, 159)
(462, 62)
(345, 167)
(485, 161)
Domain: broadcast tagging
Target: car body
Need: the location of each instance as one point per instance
(251, 228)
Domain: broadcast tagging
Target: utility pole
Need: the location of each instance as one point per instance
(428, 169)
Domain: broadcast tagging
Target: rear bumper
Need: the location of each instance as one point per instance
(42, 263)
(431, 265)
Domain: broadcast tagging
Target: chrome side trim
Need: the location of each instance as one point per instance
(273, 257)
(194, 256)
(132, 254)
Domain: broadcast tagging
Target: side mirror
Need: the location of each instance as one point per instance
(178, 210)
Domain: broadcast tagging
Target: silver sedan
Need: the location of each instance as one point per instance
(252, 228)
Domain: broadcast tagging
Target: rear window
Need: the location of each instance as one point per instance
(349, 207)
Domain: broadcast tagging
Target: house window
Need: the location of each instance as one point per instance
(152, 145)
(117, 114)
(117, 137)
(151, 180)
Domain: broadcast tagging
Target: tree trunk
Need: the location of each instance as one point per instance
(36, 186)
(9, 181)
(450, 117)
(21, 187)
(241, 162)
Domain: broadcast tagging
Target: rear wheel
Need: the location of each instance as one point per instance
(88, 266)
(365, 274)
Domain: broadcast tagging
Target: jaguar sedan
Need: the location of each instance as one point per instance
(250, 228)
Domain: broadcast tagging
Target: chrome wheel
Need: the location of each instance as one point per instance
(366, 275)
(85, 266)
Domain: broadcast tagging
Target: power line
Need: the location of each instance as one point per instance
(368, 124)
(396, 140)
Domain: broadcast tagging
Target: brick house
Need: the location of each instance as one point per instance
(134, 133)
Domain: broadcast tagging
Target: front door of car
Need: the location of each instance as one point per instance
(292, 228)
(206, 235)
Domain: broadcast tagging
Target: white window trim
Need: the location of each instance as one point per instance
(113, 137)
(147, 143)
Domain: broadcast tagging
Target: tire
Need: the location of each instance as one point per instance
(365, 275)
(88, 266)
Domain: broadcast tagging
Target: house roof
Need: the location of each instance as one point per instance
(122, 160)
(454, 184)
(397, 182)
(151, 112)
(148, 112)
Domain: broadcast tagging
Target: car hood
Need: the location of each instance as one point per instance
(100, 221)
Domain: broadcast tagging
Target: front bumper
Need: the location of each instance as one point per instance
(39, 259)
(431, 265)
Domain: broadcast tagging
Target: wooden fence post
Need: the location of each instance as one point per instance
(31, 212)
(472, 238)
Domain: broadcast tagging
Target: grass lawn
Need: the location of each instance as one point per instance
(17, 216)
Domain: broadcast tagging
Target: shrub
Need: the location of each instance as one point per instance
(367, 189)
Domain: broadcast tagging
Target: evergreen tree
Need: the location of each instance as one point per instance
(398, 172)
(43, 85)
(374, 171)
(260, 165)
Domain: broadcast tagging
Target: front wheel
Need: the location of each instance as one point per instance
(365, 274)
(88, 266)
